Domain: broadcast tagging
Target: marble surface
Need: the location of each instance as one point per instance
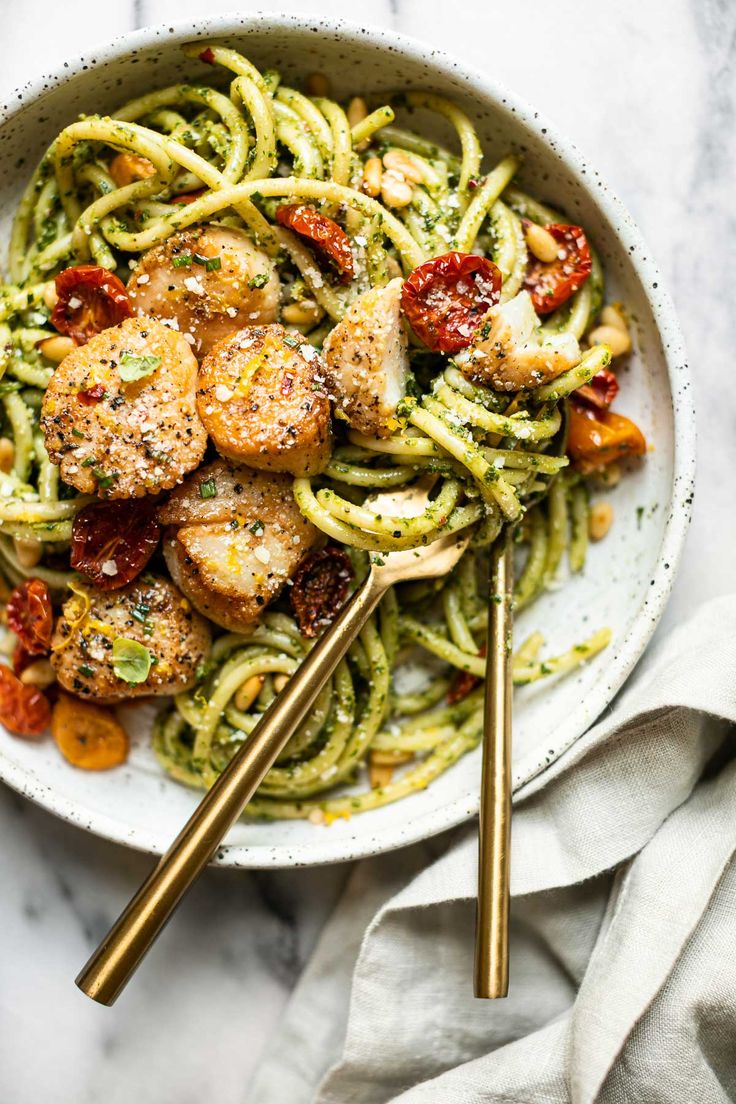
(648, 91)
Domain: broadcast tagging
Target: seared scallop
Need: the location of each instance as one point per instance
(206, 282)
(119, 416)
(234, 538)
(261, 397)
(140, 640)
(510, 351)
(368, 362)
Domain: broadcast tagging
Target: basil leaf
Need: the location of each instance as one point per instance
(131, 662)
(133, 367)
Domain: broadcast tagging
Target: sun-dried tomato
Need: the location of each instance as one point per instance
(462, 683)
(598, 437)
(24, 710)
(188, 197)
(600, 392)
(91, 299)
(113, 541)
(30, 615)
(445, 299)
(551, 283)
(324, 235)
(320, 587)
(91, 395)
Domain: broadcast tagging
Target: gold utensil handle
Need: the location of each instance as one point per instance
(116, 959)
(492, 920)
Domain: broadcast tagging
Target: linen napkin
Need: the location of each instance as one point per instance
(623, 926)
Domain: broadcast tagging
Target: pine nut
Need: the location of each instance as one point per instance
(57, 347)
(540, 242)
(379, 776)
(395, 192)
(247, 693)
(317, 84)
(305, 312)
(357, 111)
(316, 816)
(7, 454)
(600, 520)
(50, 297)
(390, 758)
(401, 163)
(372, 173)
(610, 476)
(280, 682)
(617, 340)
(28, 552)
(40, 674)
(613, 316)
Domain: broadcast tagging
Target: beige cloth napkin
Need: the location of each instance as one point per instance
(623, 941)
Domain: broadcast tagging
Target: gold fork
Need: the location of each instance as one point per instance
(118, 956)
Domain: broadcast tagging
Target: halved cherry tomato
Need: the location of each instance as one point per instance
(113, 541)
(91, 299)
(88, 735)
(127, 168)
(30, 615)
(462, 683)
(600, 392)
(551, 284)
(322, 233)
(24, 710)
(444, 299)
(320, 588)
(598, 437)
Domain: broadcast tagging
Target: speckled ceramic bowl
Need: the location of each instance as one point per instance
(629, 575)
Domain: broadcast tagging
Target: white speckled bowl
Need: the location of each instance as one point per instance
(629, 575)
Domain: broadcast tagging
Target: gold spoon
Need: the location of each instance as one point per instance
(120, 952)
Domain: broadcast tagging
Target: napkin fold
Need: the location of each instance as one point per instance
(623, 926)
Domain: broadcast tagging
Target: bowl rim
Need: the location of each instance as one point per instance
(326, 847)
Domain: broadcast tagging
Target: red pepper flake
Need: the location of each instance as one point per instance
(91, 395)
(287, 383)
(207, 56)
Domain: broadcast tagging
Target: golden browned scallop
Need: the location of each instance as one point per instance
(262, 401)
(206, 282)
(368, 362)
(234, 538)
(92, 640)
(119, 416)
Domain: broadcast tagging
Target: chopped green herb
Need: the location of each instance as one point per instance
(291, 342)
(131, 661)
(105, 479)
(89, 462)
(140, 612)
(259, 280)
(257, 527)
(208, 489)
(77, 432)
(86, 670)
(184, 260)
(133, 367)
(211, 264)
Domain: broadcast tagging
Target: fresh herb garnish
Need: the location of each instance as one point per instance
(184, 260)
(208, 489)
(131, 661)
(258, 281)
(211, 264)
(132, 367)
(86, 670)
(257, 527)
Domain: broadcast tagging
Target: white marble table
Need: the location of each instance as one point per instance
(647, 89)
